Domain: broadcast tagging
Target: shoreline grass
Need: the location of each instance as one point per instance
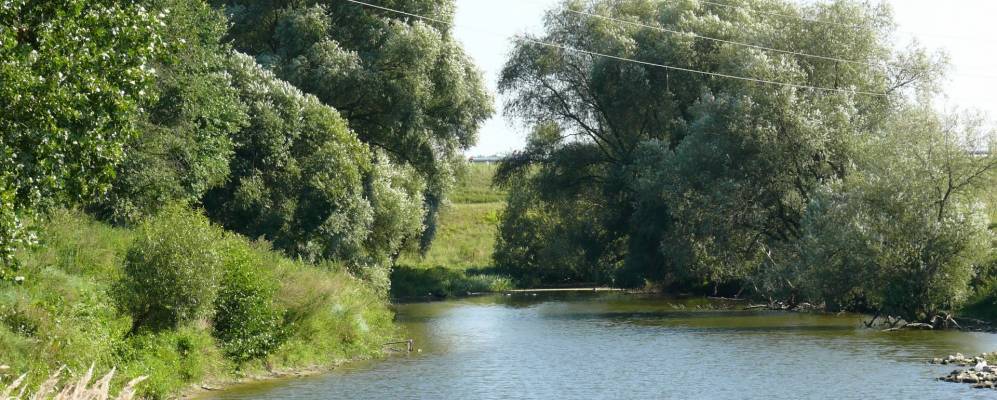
(65, 314)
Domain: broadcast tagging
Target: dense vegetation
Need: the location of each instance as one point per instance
(857, 196)
(242, 177)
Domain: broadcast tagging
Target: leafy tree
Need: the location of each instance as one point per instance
(699, 176)
(406, 87)
(185, 145)
(75, 75)
(546, 239)
(297, 174)
(905, 233)
(302, 180)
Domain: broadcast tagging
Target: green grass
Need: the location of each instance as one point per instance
(474, 185)
(64, 313)
(464, 239)
(465, 236)
(461, 255)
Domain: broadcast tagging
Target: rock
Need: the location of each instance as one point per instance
(980, 365)
(959, 356)
(937, 360)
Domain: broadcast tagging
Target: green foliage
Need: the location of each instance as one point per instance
(172, 359)
(247, 320)
(185, 145)
(905, 234)
(171, 271)
(406, 87)
(302, 180)
(75, 75)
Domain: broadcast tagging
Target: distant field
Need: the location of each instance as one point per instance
(467, 226)
(475, 186)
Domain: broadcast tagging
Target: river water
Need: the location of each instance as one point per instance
(617, 346)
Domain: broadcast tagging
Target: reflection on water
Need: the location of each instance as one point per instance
(593, 346)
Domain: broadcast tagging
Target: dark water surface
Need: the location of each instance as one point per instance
(616, 346)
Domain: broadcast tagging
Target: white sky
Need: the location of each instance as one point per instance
(965, 29)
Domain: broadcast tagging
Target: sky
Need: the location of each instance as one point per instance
(965, 29)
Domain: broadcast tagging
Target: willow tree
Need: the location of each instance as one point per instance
(75, 75)
(699, 174)
(405, 86)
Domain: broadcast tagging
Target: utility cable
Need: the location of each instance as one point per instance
(624, 59)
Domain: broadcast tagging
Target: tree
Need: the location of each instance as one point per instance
(302, 180)
(905, 233)
(406, 87)
(185, 145)
(701, 176)
(75, 76)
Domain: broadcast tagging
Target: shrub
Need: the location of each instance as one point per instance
(171, 270)
(248, 322)
(171, 360)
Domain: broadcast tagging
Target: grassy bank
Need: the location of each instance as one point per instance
(281, 314)
(460, 260)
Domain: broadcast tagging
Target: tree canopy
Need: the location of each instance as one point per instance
(644, 173)
(75, 75)
(406, 87)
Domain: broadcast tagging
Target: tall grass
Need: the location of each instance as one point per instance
(465, 236)
(80, 389)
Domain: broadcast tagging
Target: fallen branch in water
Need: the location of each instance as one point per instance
(913, 325)
(410, 344)
(725, 298)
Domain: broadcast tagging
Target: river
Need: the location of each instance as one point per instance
(619, 346)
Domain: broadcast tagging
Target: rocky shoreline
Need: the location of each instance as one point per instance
(977, 372)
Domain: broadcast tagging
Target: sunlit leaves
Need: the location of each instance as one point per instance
(75, 75)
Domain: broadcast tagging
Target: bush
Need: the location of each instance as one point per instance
(248, 322)
(171, 270)
(171, 360)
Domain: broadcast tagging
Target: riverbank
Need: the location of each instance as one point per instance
(65, 312)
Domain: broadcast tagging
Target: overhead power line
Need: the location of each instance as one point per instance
(780, 15)
(693, 34)
(624, 59)
(852, 26)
